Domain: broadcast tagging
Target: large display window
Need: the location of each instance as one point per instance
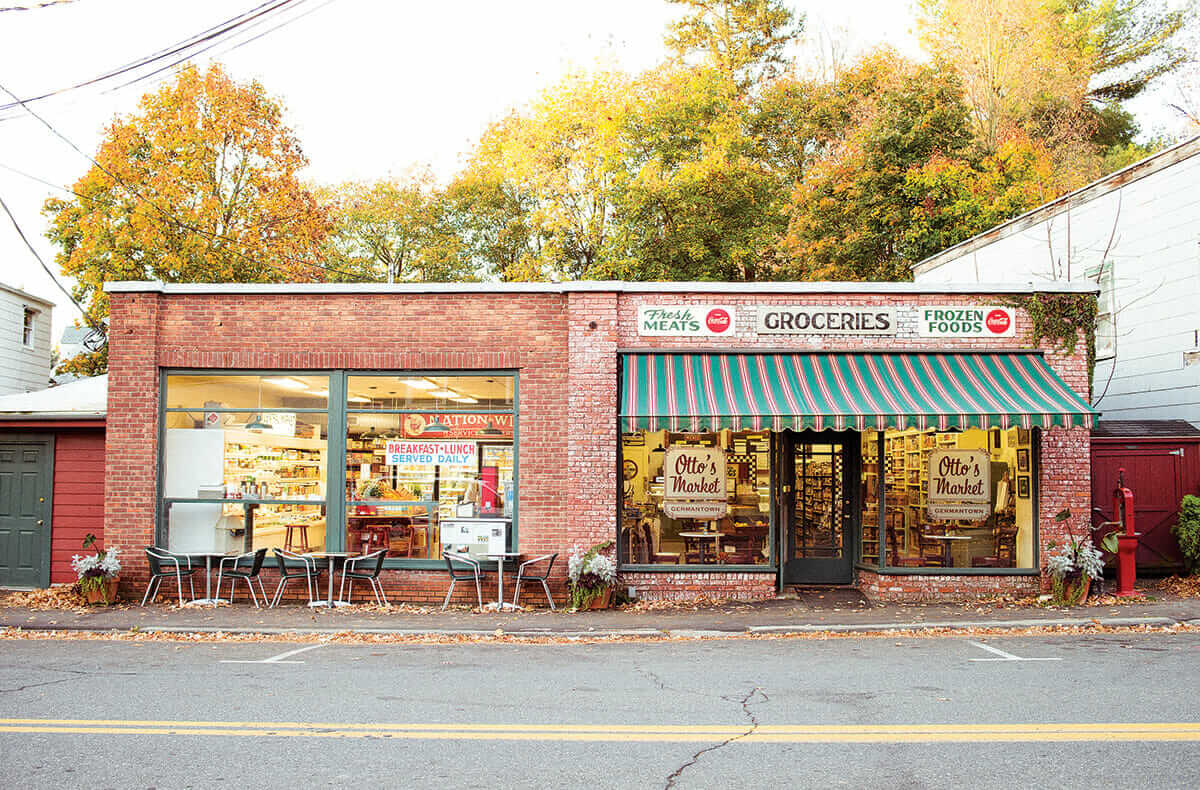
(425, 451)
(951, 500)
(276, 460)
(696, 498)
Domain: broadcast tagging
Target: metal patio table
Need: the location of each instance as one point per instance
(333, 557)
(501, 605)
(208, 556)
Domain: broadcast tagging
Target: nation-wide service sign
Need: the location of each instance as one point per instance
(405, 451)
(694, 482)
(966, 321)
(959, 484)
(458, 426)
(685, 320)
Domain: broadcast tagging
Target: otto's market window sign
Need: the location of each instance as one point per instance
(403, 451)
(694, 482)
(825, 320)
(686, 320)
(959, 484)
(458, 426)
(966, 321)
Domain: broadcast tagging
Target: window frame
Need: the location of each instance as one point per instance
(28, 326)
(1106, 307)
(883, 568)
(336, 411)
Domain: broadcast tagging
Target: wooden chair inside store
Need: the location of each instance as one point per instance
(639, 542)
(898, 560)
(933, 551)
(1006, 550)
(295, 538)
(698, 550)
(375, 537)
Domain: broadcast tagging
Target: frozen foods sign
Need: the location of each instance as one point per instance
(685, 320)
(825, 320)
(966, 321)
(403, 451)
(959, 484)
(694, 482)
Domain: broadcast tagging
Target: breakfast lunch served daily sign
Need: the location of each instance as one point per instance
(694, 482)
(403, 451)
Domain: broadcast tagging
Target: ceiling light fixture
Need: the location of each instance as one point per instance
(464, 399)
(443, 393)
(287, 382)
(419, 384)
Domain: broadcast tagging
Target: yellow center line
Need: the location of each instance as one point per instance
(888, 733)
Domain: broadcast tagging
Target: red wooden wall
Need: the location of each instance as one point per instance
(1159, 472)
(78, 497)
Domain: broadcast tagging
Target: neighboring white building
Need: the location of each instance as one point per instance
(1136, 232)
(24, 341)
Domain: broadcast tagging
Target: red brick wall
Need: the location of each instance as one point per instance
(567, 391)
(913, 587)
(78, 498)
(353, 331)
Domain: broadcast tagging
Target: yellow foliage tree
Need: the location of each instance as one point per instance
(199, 185)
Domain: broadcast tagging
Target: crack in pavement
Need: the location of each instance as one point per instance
(661, 686)
(35, 685)
(745, 703)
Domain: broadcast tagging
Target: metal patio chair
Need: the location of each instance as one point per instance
(371, 565)
(309, 572)
(238, 571)
(472, 571)
(165, 563)
(524, 576)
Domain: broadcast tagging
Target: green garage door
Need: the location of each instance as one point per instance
(24, 514)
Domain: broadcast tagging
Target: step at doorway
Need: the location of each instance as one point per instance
(829, 596)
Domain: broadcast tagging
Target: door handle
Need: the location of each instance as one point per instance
(40, 522)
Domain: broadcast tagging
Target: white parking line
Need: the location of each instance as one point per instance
(279, 659)
(1003, 655)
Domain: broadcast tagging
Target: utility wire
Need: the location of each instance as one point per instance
(208, 234)
(215, 32)
(61, 287)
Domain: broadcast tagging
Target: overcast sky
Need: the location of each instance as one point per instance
(370, 86)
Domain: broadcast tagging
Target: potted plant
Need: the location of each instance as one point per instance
(98, 573)
(1073, 565)
(591, 576)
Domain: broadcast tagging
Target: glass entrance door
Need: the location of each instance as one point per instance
(817, 510)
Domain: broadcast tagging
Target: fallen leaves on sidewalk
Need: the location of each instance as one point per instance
(498, 636)
(1183, 586)
(58, 596)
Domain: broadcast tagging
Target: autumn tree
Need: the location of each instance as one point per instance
(1055, 70)
(198, 185)
(394, 230)
(744, 41)
(850, 211)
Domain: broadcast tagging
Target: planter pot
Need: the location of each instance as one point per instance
(602, 601)
(1075, 589)
(103, 595)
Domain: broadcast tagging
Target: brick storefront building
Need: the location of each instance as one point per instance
(375, 416)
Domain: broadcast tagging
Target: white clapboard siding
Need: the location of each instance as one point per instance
(1144, 221)
(23, 368)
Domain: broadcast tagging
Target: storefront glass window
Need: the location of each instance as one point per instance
(242, 461)
(418, 458)
(954, 500)
(694, 512)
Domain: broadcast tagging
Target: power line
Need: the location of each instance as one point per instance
(215, 33)
(208, 234)
(61, 287)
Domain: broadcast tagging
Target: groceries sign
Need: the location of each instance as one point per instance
(694, 482)
(966, 321)
(959, 484)
(686, 320)
(825, 320)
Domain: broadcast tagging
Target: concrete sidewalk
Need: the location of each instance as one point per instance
(817, 610)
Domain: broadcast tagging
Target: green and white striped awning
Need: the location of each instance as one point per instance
(818, 391)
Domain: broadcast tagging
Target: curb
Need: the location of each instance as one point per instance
(642, 633)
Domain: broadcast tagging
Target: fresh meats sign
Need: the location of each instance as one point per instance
(689, 320)
(959, 484)
(966, 321)
(694, 482)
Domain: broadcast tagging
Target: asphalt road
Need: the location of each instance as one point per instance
(1102, 711)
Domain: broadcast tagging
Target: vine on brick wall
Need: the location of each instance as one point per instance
(1060, 318)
